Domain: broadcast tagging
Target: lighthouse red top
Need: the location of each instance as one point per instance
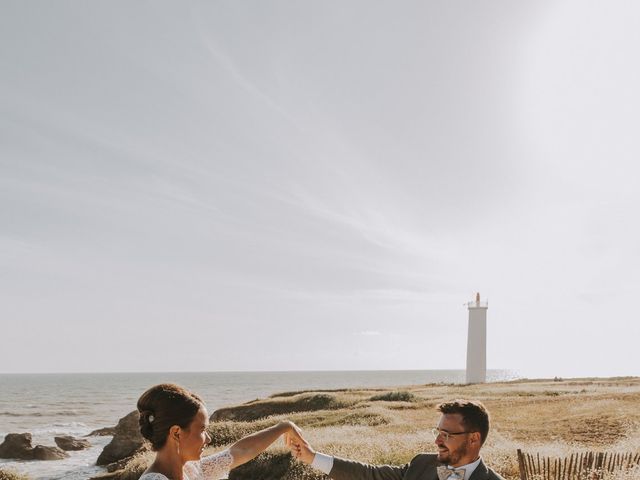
(478, 303)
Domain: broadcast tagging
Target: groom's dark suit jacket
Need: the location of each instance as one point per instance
(422, 467)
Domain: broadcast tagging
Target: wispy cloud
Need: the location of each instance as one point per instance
(370, 224)
(225, 62)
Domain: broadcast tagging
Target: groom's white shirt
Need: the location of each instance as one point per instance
(322, 462)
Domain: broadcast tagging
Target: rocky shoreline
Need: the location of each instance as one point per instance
(19, 446)
(125, 443)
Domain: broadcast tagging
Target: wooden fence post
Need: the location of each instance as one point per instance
(577, 466)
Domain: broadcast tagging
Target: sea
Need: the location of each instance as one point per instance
(48, 405)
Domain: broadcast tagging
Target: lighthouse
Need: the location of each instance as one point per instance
(477, 341)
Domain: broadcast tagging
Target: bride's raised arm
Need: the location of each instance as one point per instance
(252, 445)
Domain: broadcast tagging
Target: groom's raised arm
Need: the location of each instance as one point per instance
(340, 468)
(351, 470)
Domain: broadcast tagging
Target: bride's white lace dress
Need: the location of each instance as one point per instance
(211, 467)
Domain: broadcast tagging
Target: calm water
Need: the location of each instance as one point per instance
(47, 405)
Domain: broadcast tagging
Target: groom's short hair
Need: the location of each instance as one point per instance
(475, 416)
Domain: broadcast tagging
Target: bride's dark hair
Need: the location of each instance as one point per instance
(163, 406)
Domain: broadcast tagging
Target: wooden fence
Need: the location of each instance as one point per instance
(579, 466)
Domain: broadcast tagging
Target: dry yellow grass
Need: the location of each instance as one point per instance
(554, 418)
(11, 475)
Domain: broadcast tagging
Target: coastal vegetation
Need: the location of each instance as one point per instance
(554, 418)
(11, 475)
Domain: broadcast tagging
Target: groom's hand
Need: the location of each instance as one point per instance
(300, 448)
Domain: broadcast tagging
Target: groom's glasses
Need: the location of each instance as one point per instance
(436, 432)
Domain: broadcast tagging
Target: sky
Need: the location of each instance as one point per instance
(286, 185)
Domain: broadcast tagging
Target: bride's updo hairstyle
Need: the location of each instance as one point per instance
(163, 406)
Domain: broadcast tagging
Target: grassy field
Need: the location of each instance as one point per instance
(552, 417)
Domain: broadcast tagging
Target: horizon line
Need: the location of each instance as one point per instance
(252, 371)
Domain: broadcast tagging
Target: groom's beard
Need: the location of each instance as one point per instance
(452, 457)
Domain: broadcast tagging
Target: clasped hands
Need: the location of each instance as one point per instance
(299, 447)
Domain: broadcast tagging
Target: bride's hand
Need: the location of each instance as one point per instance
(291, 429)
(299, 447)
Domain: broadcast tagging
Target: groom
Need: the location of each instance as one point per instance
(461, 431)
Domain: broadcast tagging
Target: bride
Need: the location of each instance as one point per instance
(175, 420)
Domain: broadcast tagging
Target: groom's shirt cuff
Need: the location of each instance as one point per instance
(322, 462)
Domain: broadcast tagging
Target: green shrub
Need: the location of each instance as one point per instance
(226, 433)
(401, 396)
(341, 417)
(280, 406)
(275, 466)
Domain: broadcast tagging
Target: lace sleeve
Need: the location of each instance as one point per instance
(211, 467)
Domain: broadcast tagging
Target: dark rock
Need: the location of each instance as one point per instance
(67, 443)
(103, 432)
(40, 452)
(126, 441)
(17, 445)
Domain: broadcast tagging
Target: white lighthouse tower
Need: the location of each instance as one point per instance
(477, 341)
